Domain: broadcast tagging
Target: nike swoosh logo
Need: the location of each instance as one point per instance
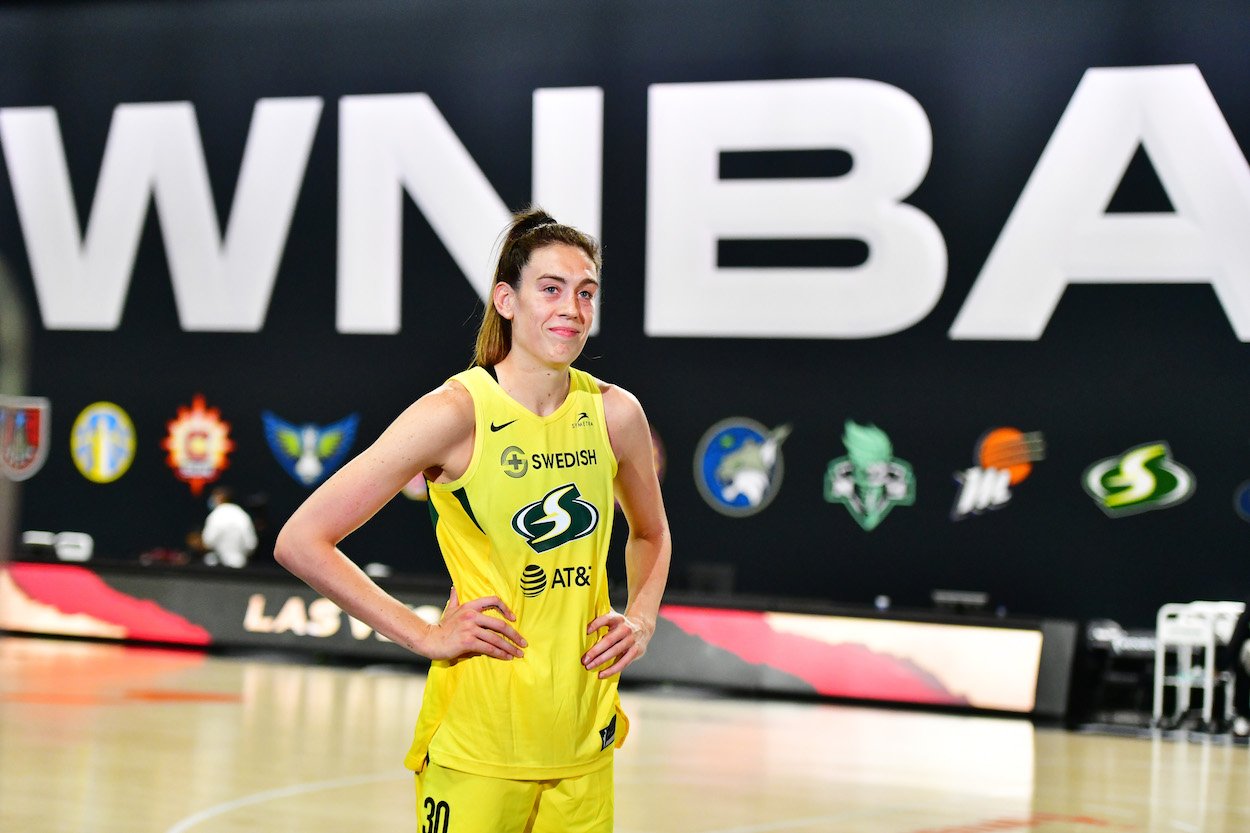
(494, 427)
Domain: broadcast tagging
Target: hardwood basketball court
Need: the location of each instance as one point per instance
(116, 739)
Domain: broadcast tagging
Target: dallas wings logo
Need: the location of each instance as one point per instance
(308, 452)
(558, 517)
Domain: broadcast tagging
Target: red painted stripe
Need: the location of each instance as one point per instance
(72, 589)
(843, 670)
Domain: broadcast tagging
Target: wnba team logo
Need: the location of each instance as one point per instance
(1139, 480)
(869, 481)
(1006, 456)
(308, 452)
(738, 465)
(23, 435)
(102, 442)
(198, 443)
(559, 517)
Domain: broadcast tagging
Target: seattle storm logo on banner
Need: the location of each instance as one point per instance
(1141, 479)
(869, 480)
(559, 517)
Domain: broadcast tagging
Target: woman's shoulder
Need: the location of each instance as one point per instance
(610, 390)
(620, 407)
(448, 407)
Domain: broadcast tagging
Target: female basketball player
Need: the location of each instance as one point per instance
(523, 455)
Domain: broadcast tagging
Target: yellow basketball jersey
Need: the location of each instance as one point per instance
(529, 521)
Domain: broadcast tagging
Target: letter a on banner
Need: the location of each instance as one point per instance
(1060, 233)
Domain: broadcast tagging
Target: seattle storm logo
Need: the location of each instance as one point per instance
(559, 517)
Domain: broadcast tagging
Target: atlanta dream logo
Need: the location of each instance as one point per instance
(23, 435)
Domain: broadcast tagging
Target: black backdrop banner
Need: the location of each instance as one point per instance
(916, 296)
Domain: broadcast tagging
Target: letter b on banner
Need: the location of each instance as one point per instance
(690, 209)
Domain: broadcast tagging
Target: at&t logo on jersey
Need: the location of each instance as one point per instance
(534, 579)
(558, 517)
(738, 465)
(1006, 457)
(1139, 480)
(869, 481)
(102, 442)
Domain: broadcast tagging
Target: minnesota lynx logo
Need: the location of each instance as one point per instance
(561, 516)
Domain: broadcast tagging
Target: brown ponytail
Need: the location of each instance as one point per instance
(530, 230)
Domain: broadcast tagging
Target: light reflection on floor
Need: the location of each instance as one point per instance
(102, 738)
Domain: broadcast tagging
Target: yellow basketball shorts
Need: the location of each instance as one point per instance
(450, 801)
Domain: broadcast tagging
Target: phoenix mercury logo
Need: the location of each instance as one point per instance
(558, 517)
(1006, 457)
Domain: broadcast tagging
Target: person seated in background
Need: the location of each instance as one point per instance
(229, 536)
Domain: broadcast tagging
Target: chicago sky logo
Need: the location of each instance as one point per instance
(1006, 457)
(1141, 479)
(102, 442)
(869, 481)
(738, 465)
(23, 435)
(198, 442)
(308, 452)
(558, 517)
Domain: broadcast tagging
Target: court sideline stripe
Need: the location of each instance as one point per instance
(282, 792)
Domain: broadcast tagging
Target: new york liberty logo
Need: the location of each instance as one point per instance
(1140, 479)
(558, 517)
(869, 481)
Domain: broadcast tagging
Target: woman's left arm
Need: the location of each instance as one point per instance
(648, 548)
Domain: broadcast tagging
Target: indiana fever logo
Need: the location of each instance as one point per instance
(559, 517)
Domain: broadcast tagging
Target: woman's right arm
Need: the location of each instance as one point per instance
(432, 434)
